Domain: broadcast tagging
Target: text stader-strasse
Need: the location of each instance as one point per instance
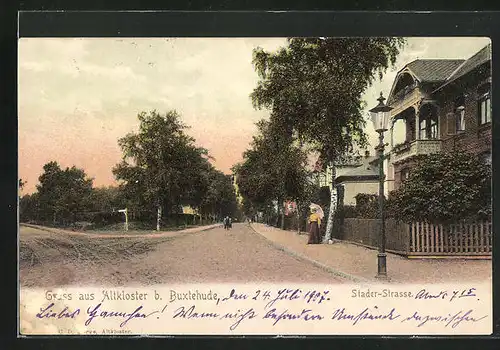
(385, 293)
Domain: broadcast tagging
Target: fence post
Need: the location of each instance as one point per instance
(418, 234)
(481, 238)
(432, 233)
(451, 239)
(490, 237)
(461, 237)
(426, 231)
(413, 236)
(407, 238)
(441, 239)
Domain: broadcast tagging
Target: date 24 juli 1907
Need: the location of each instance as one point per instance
(313, 296)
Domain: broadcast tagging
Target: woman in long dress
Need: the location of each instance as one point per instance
(314, 224)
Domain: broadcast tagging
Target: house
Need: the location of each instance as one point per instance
(187, 209)
(360, 176)
(445, 105)
(363, 178)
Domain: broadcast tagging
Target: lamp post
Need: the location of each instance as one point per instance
(380, 118)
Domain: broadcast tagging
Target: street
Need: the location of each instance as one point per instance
(214, 256)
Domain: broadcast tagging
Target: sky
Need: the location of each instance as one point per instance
(78, 96)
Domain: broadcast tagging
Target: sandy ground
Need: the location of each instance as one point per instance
(57, 258)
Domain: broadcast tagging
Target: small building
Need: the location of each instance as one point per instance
(360, 176)
(363, 178)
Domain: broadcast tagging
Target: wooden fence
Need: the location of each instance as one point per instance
(422, 239)
(458, 239)
(366, 232)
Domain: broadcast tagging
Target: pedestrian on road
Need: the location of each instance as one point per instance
(314, 225)
(227, 223)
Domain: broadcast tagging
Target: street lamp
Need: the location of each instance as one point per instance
(380, 118)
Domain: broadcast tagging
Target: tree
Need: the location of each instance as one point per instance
(106, 199)
(314, 86)
(22, 184)
(162, 168)
(273, 170)
(220, 198)
(443, 188)
(29, 208)
(62, 194)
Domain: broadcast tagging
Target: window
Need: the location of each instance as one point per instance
(422, 130)
(460, 113)
(405, 174)
(484, 104)
(428, 128)
(433, 128)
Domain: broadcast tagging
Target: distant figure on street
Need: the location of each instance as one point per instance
(227, 223)
(314, 225)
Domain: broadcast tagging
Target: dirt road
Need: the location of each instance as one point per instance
(56, 259)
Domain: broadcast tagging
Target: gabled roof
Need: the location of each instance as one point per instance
(368, 170)
(433, 70)
(476, 60)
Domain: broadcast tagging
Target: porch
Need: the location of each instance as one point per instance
(422, 131)
(413, 148)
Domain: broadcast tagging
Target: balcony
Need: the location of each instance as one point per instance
(404, 99)
(413, 148)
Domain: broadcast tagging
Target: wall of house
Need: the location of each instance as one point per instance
(352, 188)
(476, 138)
(326, 177)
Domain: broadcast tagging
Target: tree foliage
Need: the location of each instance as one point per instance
(22, 183)
(220, 198)
(106, 199)
(62, 194)
(314, 87)
(273, 169)
(161, 164)
(444, 187)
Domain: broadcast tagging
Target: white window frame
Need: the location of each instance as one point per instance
(460, 118)
(422, 129)
(429, 128)
(484, 103)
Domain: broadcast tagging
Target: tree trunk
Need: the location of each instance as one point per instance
(282, 216)
(158, 218)
(277, 214)
(333, 207)
(297, 208)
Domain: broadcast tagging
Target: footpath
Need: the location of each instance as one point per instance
(122, 233)
(359, 264)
